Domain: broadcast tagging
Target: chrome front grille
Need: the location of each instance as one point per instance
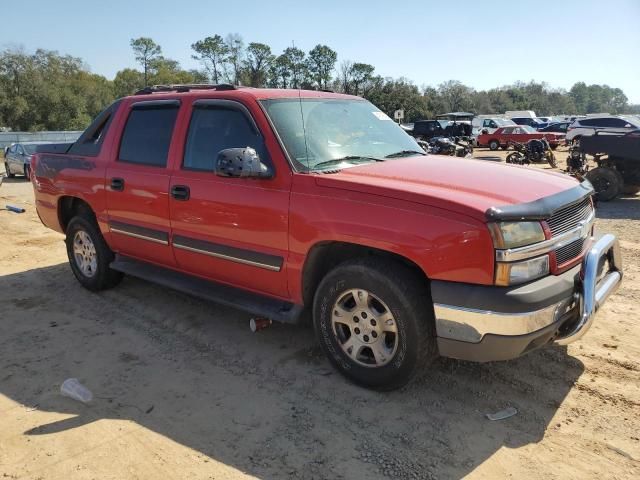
(570, 251)
(565, 220)
(568, 218)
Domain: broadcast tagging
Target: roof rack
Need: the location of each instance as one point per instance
(180, 88)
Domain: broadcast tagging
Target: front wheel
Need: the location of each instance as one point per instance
(89, 255)
(515, 157)
(27, 172)
(8, 170)
(374, 320)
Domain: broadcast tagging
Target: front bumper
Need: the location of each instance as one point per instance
(484, 324)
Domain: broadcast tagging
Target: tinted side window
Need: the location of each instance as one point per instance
(507, 130)
(615, 122)
(589, 123)
(147, 136)
(214, 129)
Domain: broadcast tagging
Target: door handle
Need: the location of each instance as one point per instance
(117, 184)
(180, 192)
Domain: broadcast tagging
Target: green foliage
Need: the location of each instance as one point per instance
(145, 51)
(49, 91)
(257, 64)
(212, 53)
(321, 63)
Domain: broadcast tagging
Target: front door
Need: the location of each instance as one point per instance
(231, 230)
(137, 183)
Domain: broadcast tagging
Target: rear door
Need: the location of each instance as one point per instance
(137, 182)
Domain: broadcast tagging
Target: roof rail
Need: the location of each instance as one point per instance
(180, 88)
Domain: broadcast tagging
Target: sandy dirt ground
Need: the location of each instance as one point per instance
(183, 389)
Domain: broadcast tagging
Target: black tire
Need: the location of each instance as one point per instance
(514, 158)
(606, 183)
(494, 145)
(104, 277)
(409, 302)
(9, 174)
(27, 172)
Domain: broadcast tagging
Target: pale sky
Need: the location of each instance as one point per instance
(483, 44)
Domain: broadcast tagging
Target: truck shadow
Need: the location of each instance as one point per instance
(267, 404)
(624, 207)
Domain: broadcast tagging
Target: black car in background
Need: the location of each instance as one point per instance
(558, 127)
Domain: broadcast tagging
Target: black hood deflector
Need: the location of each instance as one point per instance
(542, 208)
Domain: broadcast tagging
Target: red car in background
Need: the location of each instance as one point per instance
(520, 134)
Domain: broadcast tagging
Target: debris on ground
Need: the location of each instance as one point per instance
(502, 414)
(72, 388)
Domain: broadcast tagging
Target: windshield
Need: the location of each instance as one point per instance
(503, 123)
(325, 134)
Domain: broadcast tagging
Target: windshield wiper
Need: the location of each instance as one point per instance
(404, 153)
(333, 161)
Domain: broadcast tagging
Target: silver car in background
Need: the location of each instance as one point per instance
(17, 160)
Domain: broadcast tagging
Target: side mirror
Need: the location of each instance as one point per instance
(241, 163)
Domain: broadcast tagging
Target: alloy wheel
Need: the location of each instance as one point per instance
(365, 328)
(84, 253)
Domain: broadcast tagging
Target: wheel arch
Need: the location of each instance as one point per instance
(324, 256)
(70, 206)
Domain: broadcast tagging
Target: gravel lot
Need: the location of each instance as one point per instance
(184, 389)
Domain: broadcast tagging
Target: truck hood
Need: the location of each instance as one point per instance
(466, 186)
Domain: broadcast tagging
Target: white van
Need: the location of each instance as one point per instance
(520, 113)
(490, 123)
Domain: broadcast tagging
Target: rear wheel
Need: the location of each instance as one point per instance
(374, 320)
(494, 145)
(9, 174)
(89, 255)
(606, 183)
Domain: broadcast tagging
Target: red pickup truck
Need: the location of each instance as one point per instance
(301, 204)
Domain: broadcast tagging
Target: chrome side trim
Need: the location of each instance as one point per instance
(272, 268)
(137, 235)
(471, 325)
(583, 230)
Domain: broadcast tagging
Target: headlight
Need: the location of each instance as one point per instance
(516, 273)
(516, 234)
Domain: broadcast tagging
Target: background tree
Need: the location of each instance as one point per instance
(257, 64)
(296, 63)
(361, 76)
(345, 76)
(127, 81)
(212, 53)
(145, 51)
(235, 57)
(321, 62)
